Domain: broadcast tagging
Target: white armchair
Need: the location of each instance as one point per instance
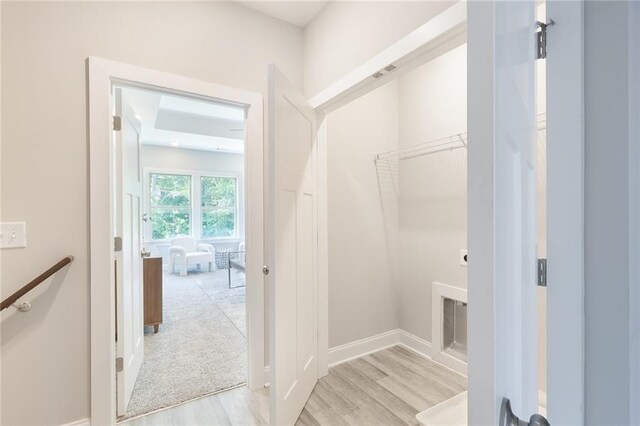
(188, 252)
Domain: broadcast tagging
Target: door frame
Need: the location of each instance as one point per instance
(102, 74)
(566, 264)
(442, 33)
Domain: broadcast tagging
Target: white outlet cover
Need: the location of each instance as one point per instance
(463, 261)
(13, 235)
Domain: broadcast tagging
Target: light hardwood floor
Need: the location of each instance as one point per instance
(384, 388)
(388, 387)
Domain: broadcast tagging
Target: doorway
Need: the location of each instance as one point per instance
(181, 317)
(182, 206)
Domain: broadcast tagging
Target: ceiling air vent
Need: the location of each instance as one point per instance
(384, 71)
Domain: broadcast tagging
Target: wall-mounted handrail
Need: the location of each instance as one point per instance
(35, 282)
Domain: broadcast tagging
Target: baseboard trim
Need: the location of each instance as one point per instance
(81, 422)
(362, 347)
(415, 343)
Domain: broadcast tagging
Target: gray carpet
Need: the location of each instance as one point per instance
(201, 346)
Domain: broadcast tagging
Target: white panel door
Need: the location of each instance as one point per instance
(502, 209)
(515, 206)
(129, 291)
(292, 249)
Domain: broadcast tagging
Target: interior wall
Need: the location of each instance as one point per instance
(45, 353)
(169, 158)
(362, 218)
(433, 188)
(347, 33)
(430, 199)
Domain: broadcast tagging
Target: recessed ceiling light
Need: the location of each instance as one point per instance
(175, 144)
(139, 116)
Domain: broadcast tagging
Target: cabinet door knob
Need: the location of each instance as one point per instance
(265, 270)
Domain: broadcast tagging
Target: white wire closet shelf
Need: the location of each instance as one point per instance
(443, 144)
(424, 148)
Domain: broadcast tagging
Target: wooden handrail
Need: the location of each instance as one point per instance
(35, 282)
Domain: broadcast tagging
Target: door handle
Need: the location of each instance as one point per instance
(507, 418)
(144, 253)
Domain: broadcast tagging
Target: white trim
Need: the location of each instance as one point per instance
(323, 249)
(102, 74)
(415, 343)
(397, 337)
(438, 35)
(81, 422)
(362, 347)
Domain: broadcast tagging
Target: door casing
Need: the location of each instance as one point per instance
(102, 74)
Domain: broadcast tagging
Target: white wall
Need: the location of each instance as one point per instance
(362, 218)
(431, 203)
(347, 33)
(433, 196)
(45, 353)
(159, 157)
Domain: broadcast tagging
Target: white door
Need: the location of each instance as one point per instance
(502, 210)
(292, 249)
(516, 214)
(130, 326)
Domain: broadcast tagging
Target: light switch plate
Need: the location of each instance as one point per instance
(13, 235)
(463, 258)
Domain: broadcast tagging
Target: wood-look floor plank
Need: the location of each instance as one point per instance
(204, 411)
(245, 407)
(389, 387)
(306, 419)
(396, 407)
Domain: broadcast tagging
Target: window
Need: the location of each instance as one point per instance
(218, 203)
(169, 205)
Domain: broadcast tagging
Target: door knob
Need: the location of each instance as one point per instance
(144, 253)
(265, 270)
(507, 418)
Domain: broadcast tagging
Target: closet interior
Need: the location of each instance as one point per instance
(397, 213)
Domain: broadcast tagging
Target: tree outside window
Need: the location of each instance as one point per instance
(218, 203)
(169, 205)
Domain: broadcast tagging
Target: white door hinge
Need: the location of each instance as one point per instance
(119, 365)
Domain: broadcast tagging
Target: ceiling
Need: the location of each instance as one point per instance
(298, 13)
(183, 122)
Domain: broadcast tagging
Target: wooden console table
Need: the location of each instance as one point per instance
(152, 277)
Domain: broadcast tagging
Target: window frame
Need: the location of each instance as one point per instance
(195, 207)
